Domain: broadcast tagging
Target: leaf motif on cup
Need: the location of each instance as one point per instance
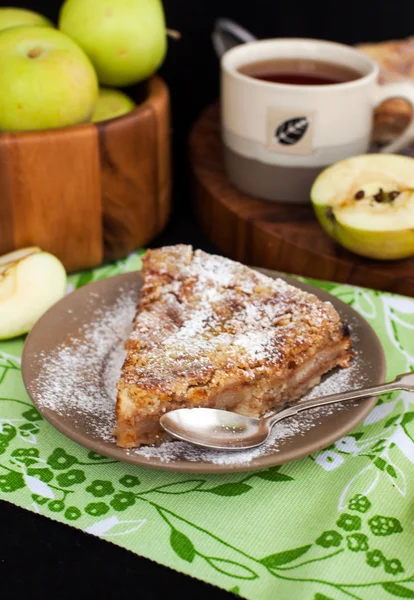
(292, 131)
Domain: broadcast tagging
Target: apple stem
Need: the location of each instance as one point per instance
(174, 34)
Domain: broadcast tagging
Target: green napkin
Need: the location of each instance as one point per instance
(333, 526)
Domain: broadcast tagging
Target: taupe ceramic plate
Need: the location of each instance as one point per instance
(69, 356)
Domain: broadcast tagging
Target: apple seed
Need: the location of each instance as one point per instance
(330, 214)
(359, 195)
(35, 52)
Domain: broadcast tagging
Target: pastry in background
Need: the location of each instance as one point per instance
(396, 60)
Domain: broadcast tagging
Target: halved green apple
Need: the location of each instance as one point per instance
(30, 282)
(366, 203)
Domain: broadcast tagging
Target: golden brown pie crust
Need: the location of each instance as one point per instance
(212, 332)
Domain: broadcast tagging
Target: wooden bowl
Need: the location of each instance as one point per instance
(89, 193)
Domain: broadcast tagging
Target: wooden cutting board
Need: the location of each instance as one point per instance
(276, 235)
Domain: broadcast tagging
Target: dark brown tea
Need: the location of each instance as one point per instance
(299, 71)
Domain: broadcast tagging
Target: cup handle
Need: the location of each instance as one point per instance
(227, 34)
(405, 91)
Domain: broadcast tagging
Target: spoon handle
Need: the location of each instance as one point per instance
(402, 382)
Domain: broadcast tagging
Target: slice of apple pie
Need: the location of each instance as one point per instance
(211, 332)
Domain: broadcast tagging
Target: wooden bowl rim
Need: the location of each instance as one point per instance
(156, 86)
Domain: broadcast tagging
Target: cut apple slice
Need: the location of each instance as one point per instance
(30, 282)
(366, 203)
(13, 257)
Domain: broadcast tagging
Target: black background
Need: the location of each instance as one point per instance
(38, 556)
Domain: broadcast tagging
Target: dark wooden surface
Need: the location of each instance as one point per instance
(276, 235)
(89, 193)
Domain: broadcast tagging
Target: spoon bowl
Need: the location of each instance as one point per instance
(224, 430)
(215, 428)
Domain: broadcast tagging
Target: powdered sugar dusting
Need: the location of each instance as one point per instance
(77, 380)
(205, 318)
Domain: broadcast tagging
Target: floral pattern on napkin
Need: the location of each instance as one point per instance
(336, 525)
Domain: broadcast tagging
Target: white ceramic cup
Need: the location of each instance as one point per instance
(323, 123)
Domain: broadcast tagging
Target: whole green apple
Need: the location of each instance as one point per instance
(111, 103)
(46, 80)
(17, 17)
(125, 39)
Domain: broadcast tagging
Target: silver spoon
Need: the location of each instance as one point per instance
(224, 430)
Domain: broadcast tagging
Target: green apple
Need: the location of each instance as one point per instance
(16, 17)
(46, 80)
(366, 203)
(30, 282)
(111, 103)
(125, 39)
